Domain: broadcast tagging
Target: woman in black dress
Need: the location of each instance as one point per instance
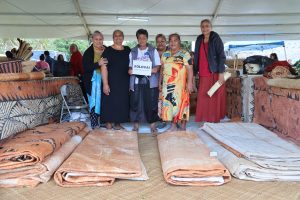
(115, 78)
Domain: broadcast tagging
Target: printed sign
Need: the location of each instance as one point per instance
(143, 68)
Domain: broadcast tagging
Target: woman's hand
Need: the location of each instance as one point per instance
(130, 71)
(221, 78)
(190, 87)
(160, 87)
(154, 70)
(106, 89)
(194, 84)
(103, 62)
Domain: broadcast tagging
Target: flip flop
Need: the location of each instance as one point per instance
(118, 128)
(154, 132)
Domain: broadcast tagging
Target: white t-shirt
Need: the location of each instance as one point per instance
(145, 56)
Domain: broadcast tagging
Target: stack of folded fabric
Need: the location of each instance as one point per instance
(279, 69)
(187, 161)
(101, 158)
(252, 152)
(32, 156)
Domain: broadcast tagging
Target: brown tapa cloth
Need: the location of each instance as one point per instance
(22, 76)
(33, 146)
(102, 157)
(40, 172)
(28, 158)
(186, 161)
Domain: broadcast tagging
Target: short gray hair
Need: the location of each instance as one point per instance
(118, 31)
(97, 33)
(206, 21)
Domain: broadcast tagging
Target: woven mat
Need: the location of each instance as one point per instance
(156, 188)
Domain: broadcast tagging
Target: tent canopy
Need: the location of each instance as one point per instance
(232, 19)
(256, 46)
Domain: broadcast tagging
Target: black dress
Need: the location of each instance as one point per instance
(115, 106)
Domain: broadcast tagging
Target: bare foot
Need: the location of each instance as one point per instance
(172, 128)
(201, 125)
(108, 126)
(183, 126)
(118, 127)
(135, 127)
(153, 129)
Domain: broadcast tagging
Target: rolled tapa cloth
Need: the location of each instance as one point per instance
(36, 75)
(186, 160)
(41, 172)
(102, 157)
(14, 76)
(217, 85)
(35, 145)
(22, 76)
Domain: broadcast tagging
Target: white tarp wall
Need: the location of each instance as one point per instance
(232, 19)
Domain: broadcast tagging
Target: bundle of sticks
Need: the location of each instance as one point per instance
(24, 52)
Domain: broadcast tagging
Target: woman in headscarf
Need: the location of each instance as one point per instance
(115, 78)
(177, 76)
(92, 60)
(209, 65)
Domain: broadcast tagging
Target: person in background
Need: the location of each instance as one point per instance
(9, 55)
(76, 61)
(92, 60)
(177, 78)
(274, 56)
(61, 67)
(161, 43)
(115, 78)
(144, 89)
(76, 66)
(161, 47)
(209, 63)
(192, 54)
(42, 65)
(49, 60)
(195, 78)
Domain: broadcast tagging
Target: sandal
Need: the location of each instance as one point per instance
(118, 127)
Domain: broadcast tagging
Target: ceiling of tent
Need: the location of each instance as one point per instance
(232, 19)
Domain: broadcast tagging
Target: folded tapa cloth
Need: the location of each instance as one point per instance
(34, 145)
(256, 144)
(187, 161)
(32, 157)
(102, 157)
(242, 168)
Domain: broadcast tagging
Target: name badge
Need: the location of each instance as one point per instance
(143, 68)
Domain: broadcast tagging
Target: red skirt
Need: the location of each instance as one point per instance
(210, 109)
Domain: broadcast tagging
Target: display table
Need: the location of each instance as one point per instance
(27, 104)
(240, 97)
(277, 109)
(234, 98)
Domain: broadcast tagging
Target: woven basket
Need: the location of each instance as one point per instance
(13, 66)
